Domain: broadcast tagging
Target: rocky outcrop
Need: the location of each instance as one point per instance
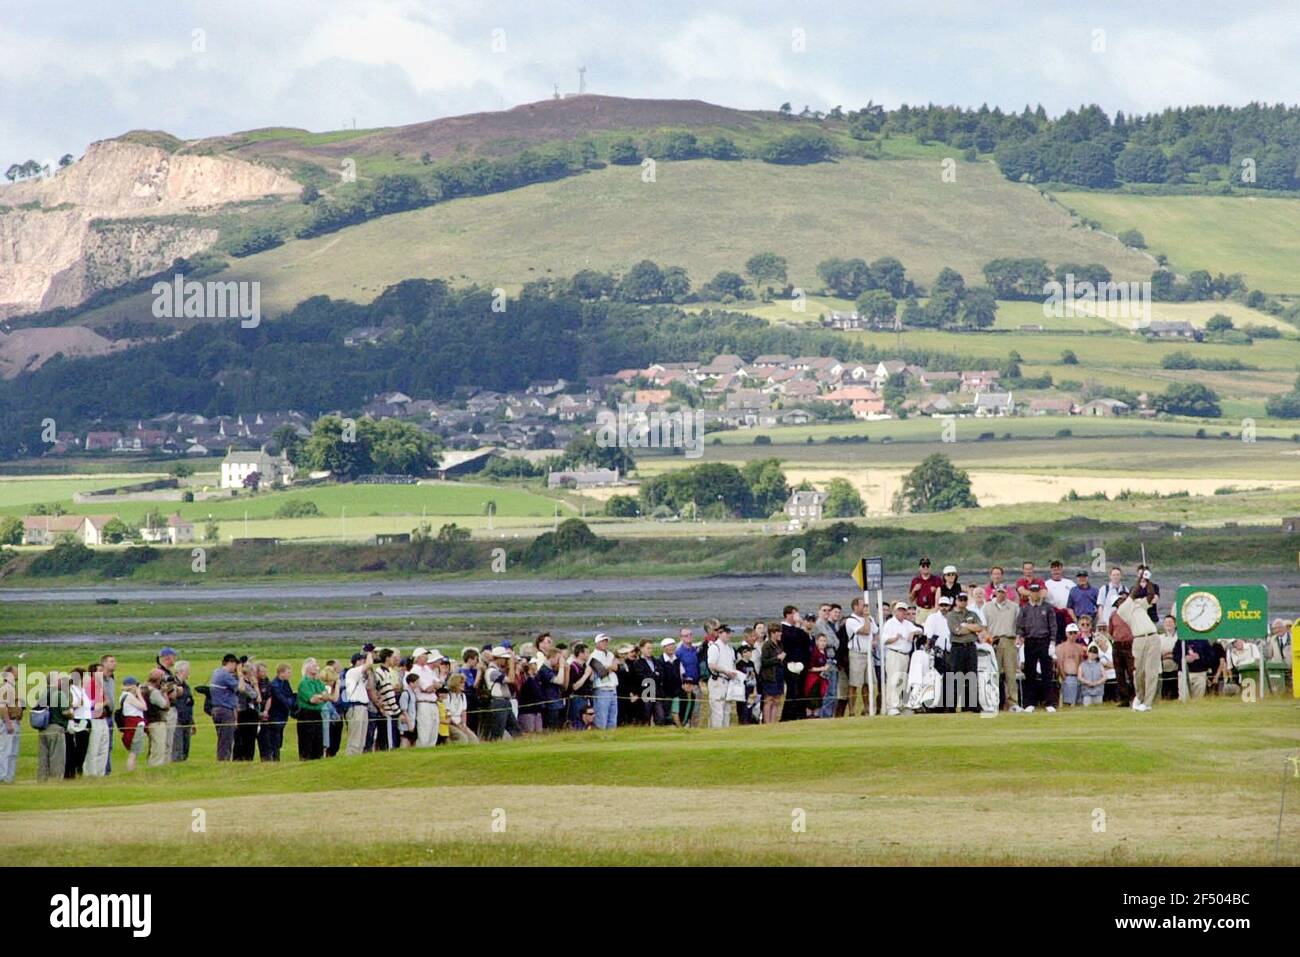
(67, 236)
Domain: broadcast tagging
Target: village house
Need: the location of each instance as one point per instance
(931, 380)
(847, 395)
(589, 478)
(886, 368)
(721, 365)
(843, 321)
(102, 441)
(236, 467)
(994, 404)
(1104, 408)
(984, 380)
(869, 409)
(175, 531)
(652, 396)
(804, 507)
(1175, 329)
(1048, 405)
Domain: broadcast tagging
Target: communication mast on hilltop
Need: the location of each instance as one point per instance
(582, 80)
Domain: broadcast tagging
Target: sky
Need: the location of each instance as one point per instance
(82, 70)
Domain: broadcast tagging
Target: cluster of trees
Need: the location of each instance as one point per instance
(400, 192)
(673, 145)
(717, 490)
(1286, 406)
(1189, 398)
(387, 446)
(850, 278)
(647, 282)
(952, 305)
(30, 168)
(935, 485)
(1255, 146)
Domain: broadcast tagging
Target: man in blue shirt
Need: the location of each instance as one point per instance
(224, 689)
(689, 656)
(1083, 597)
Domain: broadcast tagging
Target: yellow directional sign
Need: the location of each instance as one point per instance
(869, 573)
(860, 573)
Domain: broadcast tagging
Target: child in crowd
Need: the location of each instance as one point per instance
(407, 717)
(1092, 678)
(746, 710)
(444, 722)
(986, 667)
(1069, 655)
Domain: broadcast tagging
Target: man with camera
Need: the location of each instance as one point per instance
(224, 687)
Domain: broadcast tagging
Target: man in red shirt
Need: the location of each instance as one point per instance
(1027, 578)
(925, 588)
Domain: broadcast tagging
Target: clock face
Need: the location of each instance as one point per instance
(1201, 611)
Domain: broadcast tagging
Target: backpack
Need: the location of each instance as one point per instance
(39, 718)
(841, 646)
(206, 691)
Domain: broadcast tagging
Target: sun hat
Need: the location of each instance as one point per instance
(950, 569)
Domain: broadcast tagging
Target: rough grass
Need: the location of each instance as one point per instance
(609, 219)
(1256, 236)
(1185, 784)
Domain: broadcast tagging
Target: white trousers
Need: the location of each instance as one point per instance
(719, 707)
(896, 666)
(97, 749)
(426, 723)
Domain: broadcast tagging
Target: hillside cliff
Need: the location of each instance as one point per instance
(69, 235)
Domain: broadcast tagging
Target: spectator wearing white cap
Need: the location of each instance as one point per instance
(501, 675)
(896, 636)
(426, 698)
(671, 698)
(938, 637)
(605, 665)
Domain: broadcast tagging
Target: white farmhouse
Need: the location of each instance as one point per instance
(236, 467)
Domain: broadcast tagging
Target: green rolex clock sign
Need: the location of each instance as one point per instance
(1222, 611)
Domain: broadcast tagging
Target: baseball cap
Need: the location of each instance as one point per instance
(357, 656)
(600, 636)
(1081, 573)
(1071, 629)
(169, 650)
(945, 600)
(624, 649)
(130, 680)
(900, 604)
(419, 651)
(667, 641)
(1000, 588)
(500, 651)
(950, 569)
(962, 596)
(1035, 587)
(924, 561)
(436, 655)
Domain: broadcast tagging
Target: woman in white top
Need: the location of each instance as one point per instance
(78, 733)
(456, 708)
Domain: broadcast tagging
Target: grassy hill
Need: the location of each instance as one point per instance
(705, 215)
(1256, 236)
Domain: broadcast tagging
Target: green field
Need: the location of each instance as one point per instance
(441, 499)
(609, 219)
(1256, 236)
(1183, 785)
